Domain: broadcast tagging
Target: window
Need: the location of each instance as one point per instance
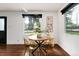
(32, 23)
(72, 20)
(1, 24)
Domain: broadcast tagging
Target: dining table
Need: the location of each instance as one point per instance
(39, 40)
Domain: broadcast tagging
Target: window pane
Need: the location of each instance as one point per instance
(32, 24)
(72, 20)
(1, 24)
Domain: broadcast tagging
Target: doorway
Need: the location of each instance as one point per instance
(3, 30)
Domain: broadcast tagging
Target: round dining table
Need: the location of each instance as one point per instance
(39, 41)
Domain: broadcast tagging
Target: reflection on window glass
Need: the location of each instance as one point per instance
(72, 20)
(1, 24)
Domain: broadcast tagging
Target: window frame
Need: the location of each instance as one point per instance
(32, 15)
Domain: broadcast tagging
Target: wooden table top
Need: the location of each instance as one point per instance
(34, 37)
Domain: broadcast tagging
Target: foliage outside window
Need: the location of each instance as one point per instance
(72, 21)
(32, 25)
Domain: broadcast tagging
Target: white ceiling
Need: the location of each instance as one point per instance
(30, 6)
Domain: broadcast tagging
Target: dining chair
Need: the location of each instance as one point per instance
(50, 41)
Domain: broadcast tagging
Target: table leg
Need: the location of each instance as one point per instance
(44, 51)
(39, 45)
(35, 50)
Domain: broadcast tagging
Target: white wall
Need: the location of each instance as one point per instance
(55, 23)
(68, 42)
(14, 27)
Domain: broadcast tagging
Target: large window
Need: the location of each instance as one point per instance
(72, 20)
(32, 23)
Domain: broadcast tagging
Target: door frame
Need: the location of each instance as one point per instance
(5, 27)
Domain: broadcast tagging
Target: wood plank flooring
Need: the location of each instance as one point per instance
(23, 50)
(12, 50)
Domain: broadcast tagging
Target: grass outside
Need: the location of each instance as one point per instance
(31, 33)
(73, 33)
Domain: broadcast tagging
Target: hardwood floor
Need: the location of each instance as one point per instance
(12, 50)
(22, 50)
